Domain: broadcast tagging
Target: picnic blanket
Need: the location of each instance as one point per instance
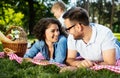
(35, 60)
(38, 57)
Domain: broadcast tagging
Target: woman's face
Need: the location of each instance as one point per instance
(52, 33)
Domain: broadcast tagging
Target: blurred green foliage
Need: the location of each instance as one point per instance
(26, 13)
(11, 18)
(117, 35)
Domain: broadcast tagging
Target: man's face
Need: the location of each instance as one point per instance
(74, 29)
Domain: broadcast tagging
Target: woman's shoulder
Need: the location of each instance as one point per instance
(62, 38)
(39, 43)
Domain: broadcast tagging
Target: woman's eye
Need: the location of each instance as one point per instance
(53, 31)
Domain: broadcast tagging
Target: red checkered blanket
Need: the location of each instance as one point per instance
(109, 67)
(36, 60)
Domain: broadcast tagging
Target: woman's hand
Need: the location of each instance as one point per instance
(28, 59)
(45, 62)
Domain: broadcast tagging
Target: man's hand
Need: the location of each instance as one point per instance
(84, 63)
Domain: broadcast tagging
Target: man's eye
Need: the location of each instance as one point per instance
(57, 29)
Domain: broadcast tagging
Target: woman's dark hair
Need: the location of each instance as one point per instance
(42, 25)
(77, 14)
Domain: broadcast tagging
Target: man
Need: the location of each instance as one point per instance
(58, 10)
(95, 43)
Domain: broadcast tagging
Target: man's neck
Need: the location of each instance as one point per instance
(87, 34)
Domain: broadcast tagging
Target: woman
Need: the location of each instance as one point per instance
(52, 43)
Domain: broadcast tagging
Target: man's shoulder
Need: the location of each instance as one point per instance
(102, 31)
(100, 28)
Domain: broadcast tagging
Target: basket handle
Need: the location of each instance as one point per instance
(13, 27)
(23, 35)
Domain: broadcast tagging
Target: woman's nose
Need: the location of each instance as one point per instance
(57, 33)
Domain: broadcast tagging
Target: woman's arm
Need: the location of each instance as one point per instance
(61, 50)
(33, 50)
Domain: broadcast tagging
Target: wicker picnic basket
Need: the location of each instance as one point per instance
(19, 45)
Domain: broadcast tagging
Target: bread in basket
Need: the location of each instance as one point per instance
(18, 42)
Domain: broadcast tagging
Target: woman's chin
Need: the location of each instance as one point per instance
(55, 40)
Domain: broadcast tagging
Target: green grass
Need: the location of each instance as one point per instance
(117, 35)
(11, 69)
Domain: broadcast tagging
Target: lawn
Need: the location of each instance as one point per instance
(11, 69)
(117, 35)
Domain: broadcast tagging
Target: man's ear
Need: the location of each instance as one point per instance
(80, 28)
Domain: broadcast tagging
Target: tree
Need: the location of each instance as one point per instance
(29, 11)
(9, 16)
(84, 4)
(31, 15)
(112, 14)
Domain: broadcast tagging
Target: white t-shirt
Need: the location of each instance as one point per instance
(62, 21)
(102, 39)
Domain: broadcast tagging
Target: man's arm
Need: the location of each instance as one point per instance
(109, 57)
(71, 60)
(71, 55)
(108, 49)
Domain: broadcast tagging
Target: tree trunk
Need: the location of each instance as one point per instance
(31, 15)
(87, 5)
(112, 14)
